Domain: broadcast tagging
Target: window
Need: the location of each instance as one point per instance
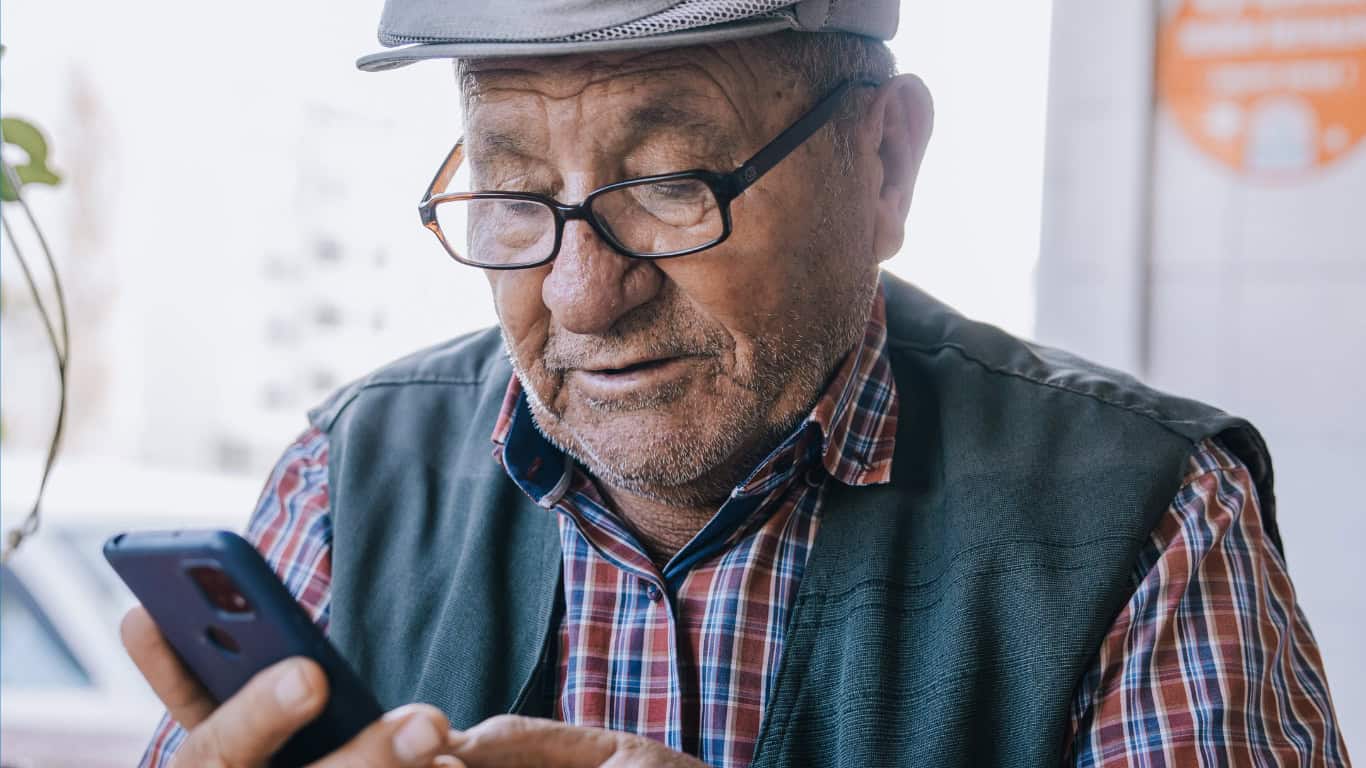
(35, 656)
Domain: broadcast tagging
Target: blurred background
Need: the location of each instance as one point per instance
(1176, 188)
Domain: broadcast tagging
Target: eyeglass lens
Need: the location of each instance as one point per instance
(646, 219)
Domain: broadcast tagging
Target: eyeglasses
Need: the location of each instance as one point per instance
(651, 217)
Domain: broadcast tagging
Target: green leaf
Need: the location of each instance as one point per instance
(26, 136)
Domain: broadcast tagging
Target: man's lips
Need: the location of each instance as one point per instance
(625, 379)
(629, 366)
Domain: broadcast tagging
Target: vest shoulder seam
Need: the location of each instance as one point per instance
(376, 383)
(1157, 418)
(420, 380)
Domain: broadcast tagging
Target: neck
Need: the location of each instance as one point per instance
(665, 521)
(662, 528)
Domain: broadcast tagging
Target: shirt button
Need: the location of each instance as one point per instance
(652, 592)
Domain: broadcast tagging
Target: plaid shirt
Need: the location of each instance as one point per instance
(1210, 662)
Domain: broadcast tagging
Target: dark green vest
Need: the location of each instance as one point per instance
(944, 619)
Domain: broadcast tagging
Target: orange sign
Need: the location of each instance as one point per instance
(1269, 87)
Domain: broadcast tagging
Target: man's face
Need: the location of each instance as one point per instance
(670, 379)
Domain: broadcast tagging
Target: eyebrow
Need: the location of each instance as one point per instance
(663, 115)
(499, 144)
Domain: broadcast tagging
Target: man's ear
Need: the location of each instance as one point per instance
(896, 129)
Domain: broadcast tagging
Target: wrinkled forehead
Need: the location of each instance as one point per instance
(702, 89)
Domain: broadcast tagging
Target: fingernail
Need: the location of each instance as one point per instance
(417, 739)
(292, 689)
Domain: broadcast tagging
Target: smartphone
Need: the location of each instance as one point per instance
(222, 609)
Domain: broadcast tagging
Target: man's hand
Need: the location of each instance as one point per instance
(509, 741)
(248, 728)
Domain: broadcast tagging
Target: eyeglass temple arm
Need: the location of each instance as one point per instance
(781, 146)
(448, 169)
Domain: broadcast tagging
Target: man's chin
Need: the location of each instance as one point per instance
(650, 451)
(660, 428)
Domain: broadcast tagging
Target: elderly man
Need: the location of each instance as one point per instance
(750, 501)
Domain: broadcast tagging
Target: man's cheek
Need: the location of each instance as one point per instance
(517, 295)
(741, 287)
(525, 339)
(521, 314)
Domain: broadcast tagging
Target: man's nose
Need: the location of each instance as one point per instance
(591, 286)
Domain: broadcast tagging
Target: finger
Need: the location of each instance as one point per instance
(414, 735)
(510, 740)
(252, 725)
(186, 700)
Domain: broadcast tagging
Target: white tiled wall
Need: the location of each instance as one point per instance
(1248, 295)
(1094, 179)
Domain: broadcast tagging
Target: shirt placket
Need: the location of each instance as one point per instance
(643, 682)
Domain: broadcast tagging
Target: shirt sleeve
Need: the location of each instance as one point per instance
(293, 531)
(1211, 661)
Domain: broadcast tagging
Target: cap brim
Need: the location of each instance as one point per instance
(408, 54)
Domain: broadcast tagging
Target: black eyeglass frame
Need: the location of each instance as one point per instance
(725, 187)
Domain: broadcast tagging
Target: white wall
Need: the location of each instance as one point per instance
(973, 234)
(1256, 300)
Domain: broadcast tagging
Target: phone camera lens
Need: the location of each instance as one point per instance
(218, 589)
(223, 641)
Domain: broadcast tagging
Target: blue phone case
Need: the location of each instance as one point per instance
(156, 566)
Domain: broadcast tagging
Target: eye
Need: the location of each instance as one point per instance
(523, 208)
(683, 190)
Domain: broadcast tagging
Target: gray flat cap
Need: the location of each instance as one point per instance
(455, 29)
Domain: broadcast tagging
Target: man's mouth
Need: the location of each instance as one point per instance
(637, 381)
(631, 367)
